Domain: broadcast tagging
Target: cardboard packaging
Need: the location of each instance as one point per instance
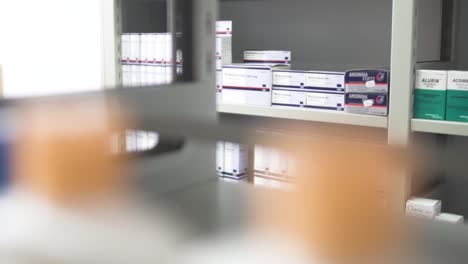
(367, 81)
(219, 86)
(367, 103)
(126, 75)
(267, 56)
(125, 48)
(248, 84)
(430, 94)
(261, 163)
(450, 218)
(235, 161)
(423, 208)
(318, 81)
(223, 43)
(288, 98)
(288, 88)
(220, 158)
(135, 51)
(325, 101)
(457, 96)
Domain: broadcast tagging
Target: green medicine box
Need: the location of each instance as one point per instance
(457, 96)
(430, 94)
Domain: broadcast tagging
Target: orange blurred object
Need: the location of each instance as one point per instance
(347, 204)
(63, 151)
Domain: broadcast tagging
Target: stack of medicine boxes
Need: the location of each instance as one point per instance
(223, 53)
(273, 163)
(147, 59)
(250, 83)
(367, 92)
(309, 89)
(441, 95)
(430, 210)
(231, 158)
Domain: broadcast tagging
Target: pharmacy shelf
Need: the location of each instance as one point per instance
(323, 116)
(440, 127)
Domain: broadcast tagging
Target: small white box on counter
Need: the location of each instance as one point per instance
(325, 101)
(220, 157)
(450, 218)
(248, 84)
(267, 56)
(325, 81)
(278, 163)
(235, 160)
(261, 163)
(423, 208)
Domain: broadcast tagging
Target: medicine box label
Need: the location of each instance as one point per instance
(457, 96)
(325, 81)
(325, 101)
(248, 85)
(366, 104)
(430, 94)
(267, 56)
(288, 98)
(367, 81)
(288, 89)
(289, 79)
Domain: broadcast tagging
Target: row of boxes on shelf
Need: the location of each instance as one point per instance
(441, 95)
(357, 92)
(431, 210)
(141, 75)
(274, 163)
(265, 79)
(149, 48)
(136, 141)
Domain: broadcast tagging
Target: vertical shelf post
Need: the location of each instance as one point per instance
(111, 28)
(403, 65)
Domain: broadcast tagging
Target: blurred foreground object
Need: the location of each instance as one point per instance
(70, 200)
(346, 206)
(63, 151)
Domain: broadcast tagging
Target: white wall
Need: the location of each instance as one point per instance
(50, 46)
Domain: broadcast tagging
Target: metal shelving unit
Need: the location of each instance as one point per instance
(398, 49)
(323, 116)
(440, 127)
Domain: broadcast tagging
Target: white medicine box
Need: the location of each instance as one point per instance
(423, 208)
(248, 84)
